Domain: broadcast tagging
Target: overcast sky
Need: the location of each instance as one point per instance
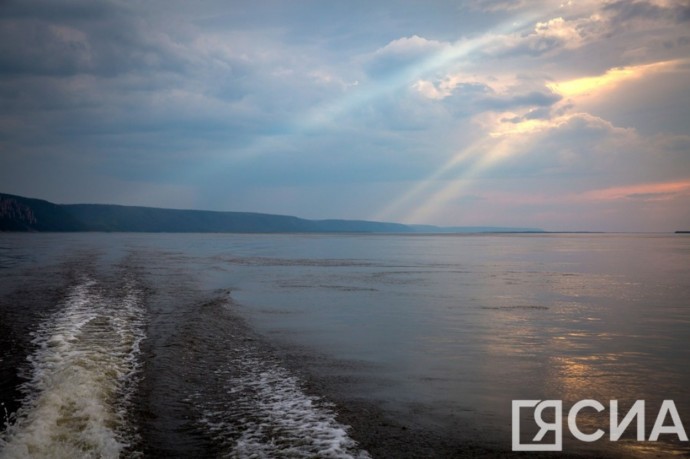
(565, 115)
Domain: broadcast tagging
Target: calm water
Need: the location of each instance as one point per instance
(323, 345)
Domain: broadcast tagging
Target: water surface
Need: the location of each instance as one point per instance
(233, 345)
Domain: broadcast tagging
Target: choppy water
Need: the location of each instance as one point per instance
(164, 345)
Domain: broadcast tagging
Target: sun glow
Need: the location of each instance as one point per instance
(589, 86)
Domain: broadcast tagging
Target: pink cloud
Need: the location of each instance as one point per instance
(645, 192)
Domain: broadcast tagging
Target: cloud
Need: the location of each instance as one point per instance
(645, 192)
(561, 160)
(440, 88)
(531, 99)
(400, 54)
(550, 37)
(638, 96)
(104, 39)
(575, 145)
(48, 49)
(580, 25)
(625, 12)
(556, 32)
(470, 96)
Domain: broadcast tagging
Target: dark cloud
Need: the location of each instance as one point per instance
(471, 98)
(401, 55)
(624, 11)
(531, 99)
(33, 47)
(109, 78)
(36, 47)
(473, 88)
(541, 113)
(65, 10)
(680, 42)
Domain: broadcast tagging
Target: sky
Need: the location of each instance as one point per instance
(562, 115)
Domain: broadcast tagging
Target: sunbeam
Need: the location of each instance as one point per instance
(328, 112)
(481, 156)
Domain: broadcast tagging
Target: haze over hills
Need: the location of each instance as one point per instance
(18, 213)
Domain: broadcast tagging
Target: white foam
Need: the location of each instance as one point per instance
(83, 373)
(269, 415)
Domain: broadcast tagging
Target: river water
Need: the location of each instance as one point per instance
(296, 345)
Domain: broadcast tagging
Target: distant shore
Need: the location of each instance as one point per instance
(22, 214)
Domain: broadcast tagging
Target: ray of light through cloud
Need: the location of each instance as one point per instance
(453, 54)
(328, 113)
(501, 144)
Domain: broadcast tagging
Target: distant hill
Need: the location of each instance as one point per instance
(100, 217)
(18, 213)
(25, 214)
